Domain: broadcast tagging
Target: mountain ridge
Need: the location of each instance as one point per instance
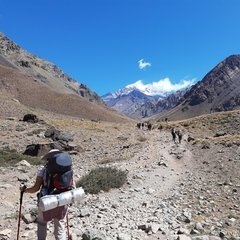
(39, 84)
(136, 104)
(43, 70)
(218, 91)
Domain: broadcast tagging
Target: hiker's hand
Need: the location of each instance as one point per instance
(23, 187)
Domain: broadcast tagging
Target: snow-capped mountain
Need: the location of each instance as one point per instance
(136, 87)
(111, 98)
(139, 103)
(152, 89)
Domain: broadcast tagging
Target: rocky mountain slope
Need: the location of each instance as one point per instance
(132, 103)
(12, 55)
(136, 104)
(218, 91)
(187, 191)
(38, 84)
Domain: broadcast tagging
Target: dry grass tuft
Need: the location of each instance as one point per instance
(9, 158)
(102, 179)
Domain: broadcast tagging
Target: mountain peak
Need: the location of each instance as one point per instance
(137, 104)
(37, 83)
(218, 91)
(232, 62)
(147, 89)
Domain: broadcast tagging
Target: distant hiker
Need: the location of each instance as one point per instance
(49, 183)
(149, 126)
(139, 125)
(179, 134)
(174, 135)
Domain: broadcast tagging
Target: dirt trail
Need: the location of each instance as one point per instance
(161, 163)
(154, 174)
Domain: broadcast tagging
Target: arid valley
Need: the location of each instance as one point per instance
(173, 191)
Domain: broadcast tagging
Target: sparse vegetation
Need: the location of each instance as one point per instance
(11, 157)
(111, 160)
(33, 212)
(102, 179)
(141, 138)
(35, 132)
(11, 216)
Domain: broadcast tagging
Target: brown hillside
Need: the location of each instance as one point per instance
(34, 94)
(218, 91)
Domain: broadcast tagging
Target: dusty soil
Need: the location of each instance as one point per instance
(190, 188)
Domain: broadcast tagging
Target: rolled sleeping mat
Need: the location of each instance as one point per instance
(49, 202)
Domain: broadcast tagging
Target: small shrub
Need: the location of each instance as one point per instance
(11, 216)
(33, 212)
(11, 157)
(141, 138)
(102, 179)
(35, 132)
(205, 145)
(106, 160)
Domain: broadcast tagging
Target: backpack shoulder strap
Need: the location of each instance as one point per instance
(45, 176)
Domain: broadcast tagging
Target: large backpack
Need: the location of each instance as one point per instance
(59, 172)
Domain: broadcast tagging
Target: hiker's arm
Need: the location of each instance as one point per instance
(36, 187)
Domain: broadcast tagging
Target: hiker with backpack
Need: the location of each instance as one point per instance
(174, 134)
(54, 177)
(180, 135)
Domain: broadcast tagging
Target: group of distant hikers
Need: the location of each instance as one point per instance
(176, 132)
(144, 125)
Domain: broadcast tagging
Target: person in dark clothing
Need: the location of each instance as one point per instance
(174, 135)
(180, 135)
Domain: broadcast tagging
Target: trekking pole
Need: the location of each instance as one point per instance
(68, 231)
(20, 210)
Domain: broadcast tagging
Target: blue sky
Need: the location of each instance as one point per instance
(108, 44)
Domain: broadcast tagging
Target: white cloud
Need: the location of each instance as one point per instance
(162, 86)
(142, 64)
